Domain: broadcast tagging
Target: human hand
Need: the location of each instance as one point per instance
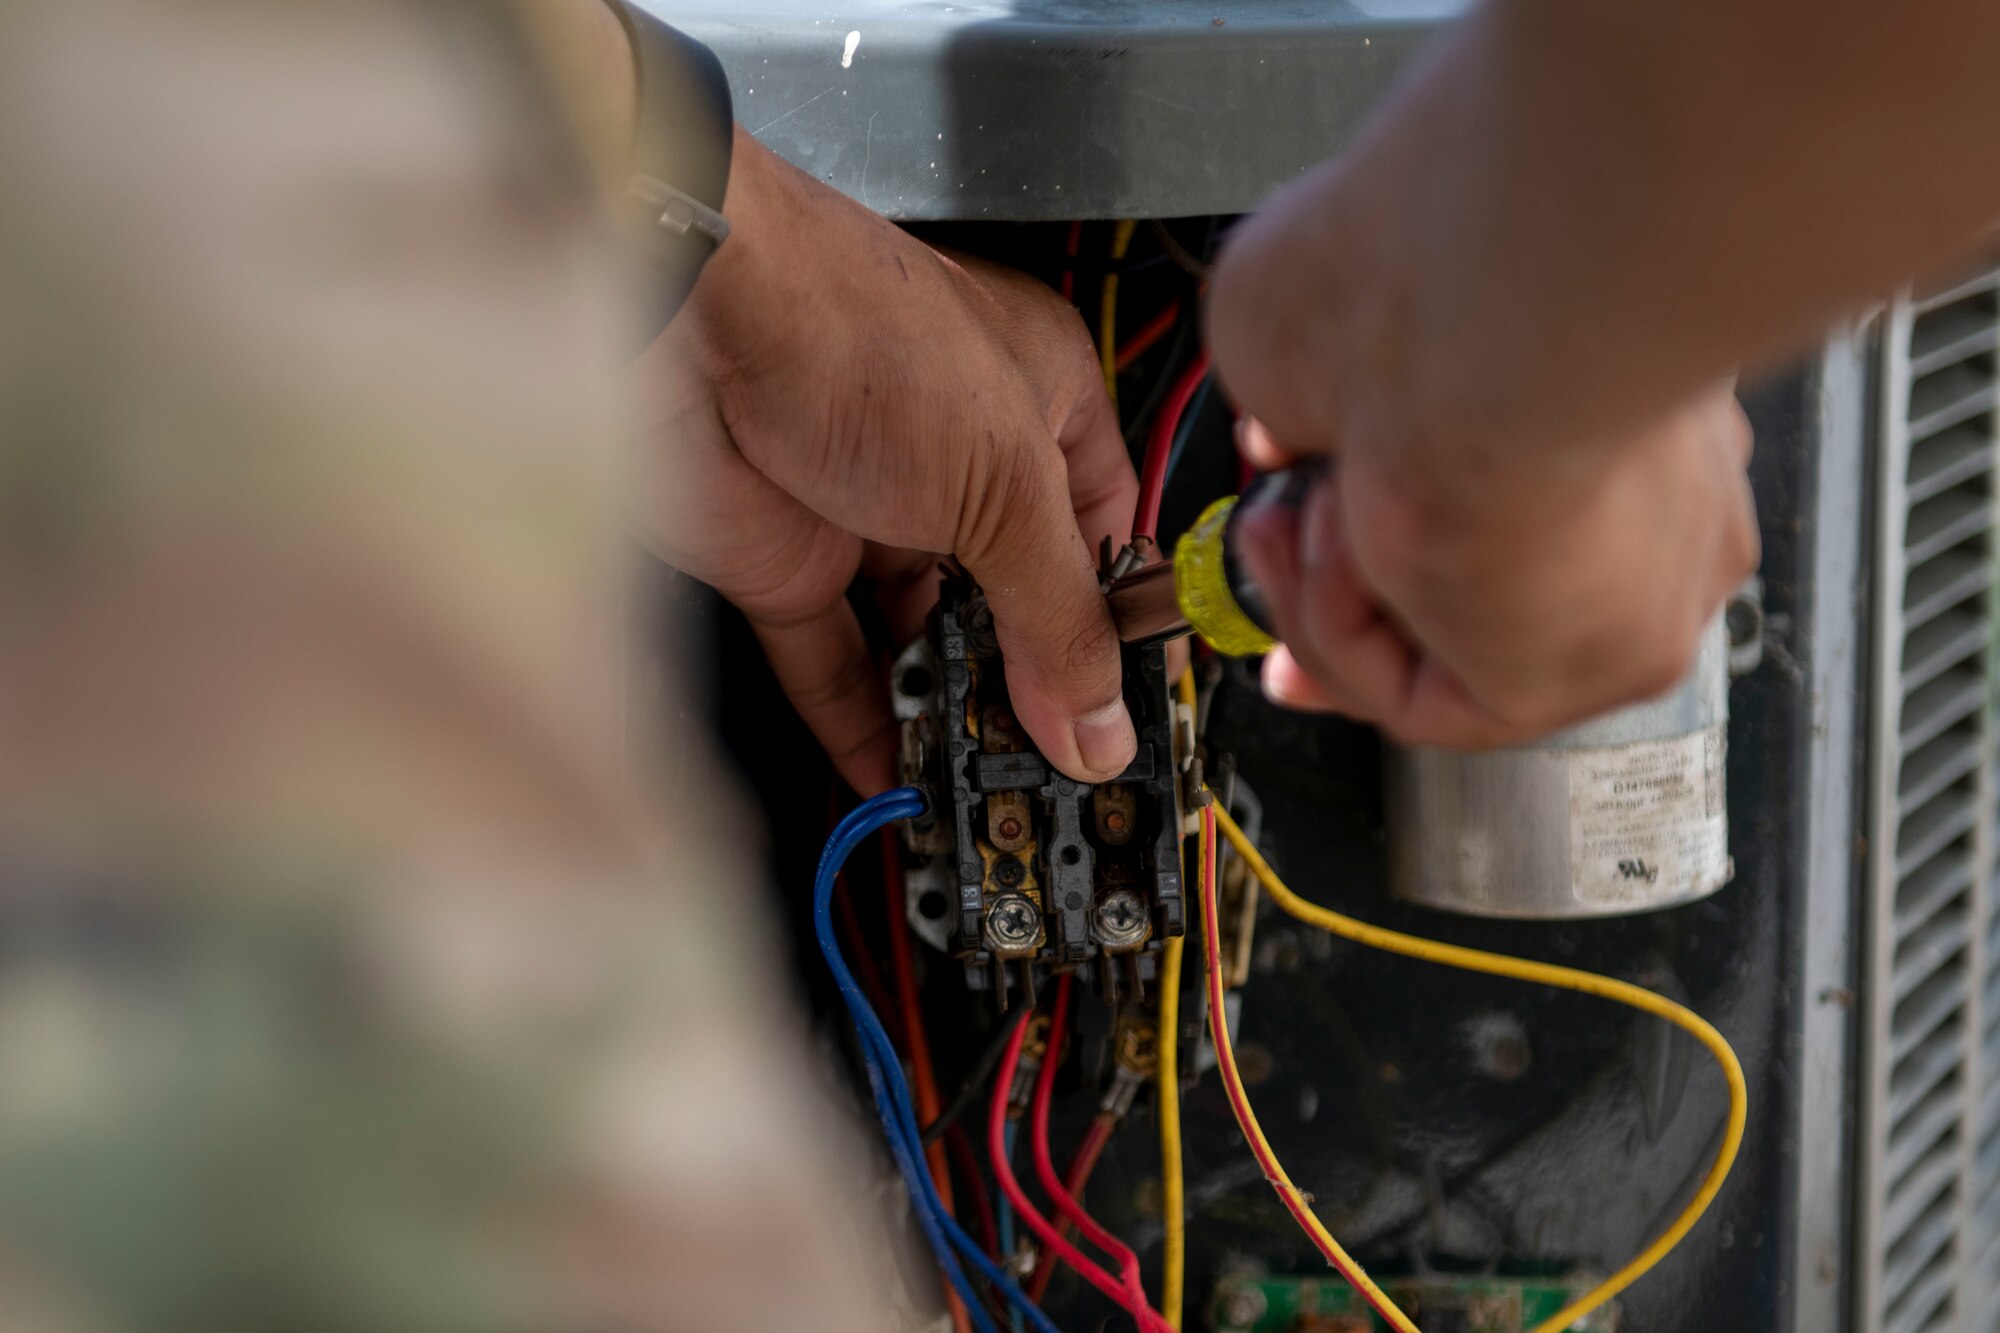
(1472, 616)
(838, 399)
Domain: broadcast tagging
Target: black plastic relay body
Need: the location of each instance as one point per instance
(1023, 871)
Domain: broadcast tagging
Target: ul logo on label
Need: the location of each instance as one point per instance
(1637, 868)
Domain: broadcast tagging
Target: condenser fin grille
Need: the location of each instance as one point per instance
(1929, 1175)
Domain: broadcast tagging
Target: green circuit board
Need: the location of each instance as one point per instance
(1251, 1304)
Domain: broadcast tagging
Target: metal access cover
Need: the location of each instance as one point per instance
(1041, 109)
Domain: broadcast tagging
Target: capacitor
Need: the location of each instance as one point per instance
(1623, 814)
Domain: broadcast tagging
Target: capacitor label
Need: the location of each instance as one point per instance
(1649, 821)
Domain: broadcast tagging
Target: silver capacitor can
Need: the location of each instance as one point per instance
(1625, 814)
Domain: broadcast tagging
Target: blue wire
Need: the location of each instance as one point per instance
(1004, 1211)
(1186, 431)
(893, 1101)
(866, 819)
(885, 1073)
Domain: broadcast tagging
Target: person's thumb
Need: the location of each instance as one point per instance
(1018, 537)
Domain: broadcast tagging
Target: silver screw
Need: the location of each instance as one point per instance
(1120, 920)
(1012, 924)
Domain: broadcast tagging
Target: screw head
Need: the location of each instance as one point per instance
(1115, 821)
(1120, 919)
(1012, 924)
(1010, 828)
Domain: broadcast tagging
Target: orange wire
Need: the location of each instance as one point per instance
(923, 1078)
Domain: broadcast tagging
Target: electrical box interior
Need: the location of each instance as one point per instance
(1490, 1148)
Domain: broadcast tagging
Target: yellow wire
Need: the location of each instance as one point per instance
(1173, 1284)
(1545, 974)
(1107, 312)
(1298, 1204)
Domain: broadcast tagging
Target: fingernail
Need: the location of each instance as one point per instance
(1105, 739)
(1271, 676)
(1281, 677)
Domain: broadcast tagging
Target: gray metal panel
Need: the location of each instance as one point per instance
(1050, 109)
(1821, 1261)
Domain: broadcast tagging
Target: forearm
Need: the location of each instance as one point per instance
(590, 66)
(1577, 213)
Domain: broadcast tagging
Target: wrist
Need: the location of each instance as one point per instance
(741, 303)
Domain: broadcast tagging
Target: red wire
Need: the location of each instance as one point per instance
(974, 1181)
(1087, 1154)
(1080, 1167)
(1154, 329)
(1239, 1102)
(1160, 446)
(1071, 246)
(1136, 1303)
(996, 1149)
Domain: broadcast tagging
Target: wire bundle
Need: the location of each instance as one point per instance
(891, 1093)
(951, 1244)
(1063, 1195)
(1125, 1290)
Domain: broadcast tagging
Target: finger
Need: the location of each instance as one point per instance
(1333, 629)
(1440, 711)
(1103, 488)
(1736, 428)
(1290, 685)
(1019, 538)
(823, 663)
(1258, 447)
(1338, 636)
(906, 587)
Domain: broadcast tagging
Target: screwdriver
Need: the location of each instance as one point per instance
(1206, 589)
